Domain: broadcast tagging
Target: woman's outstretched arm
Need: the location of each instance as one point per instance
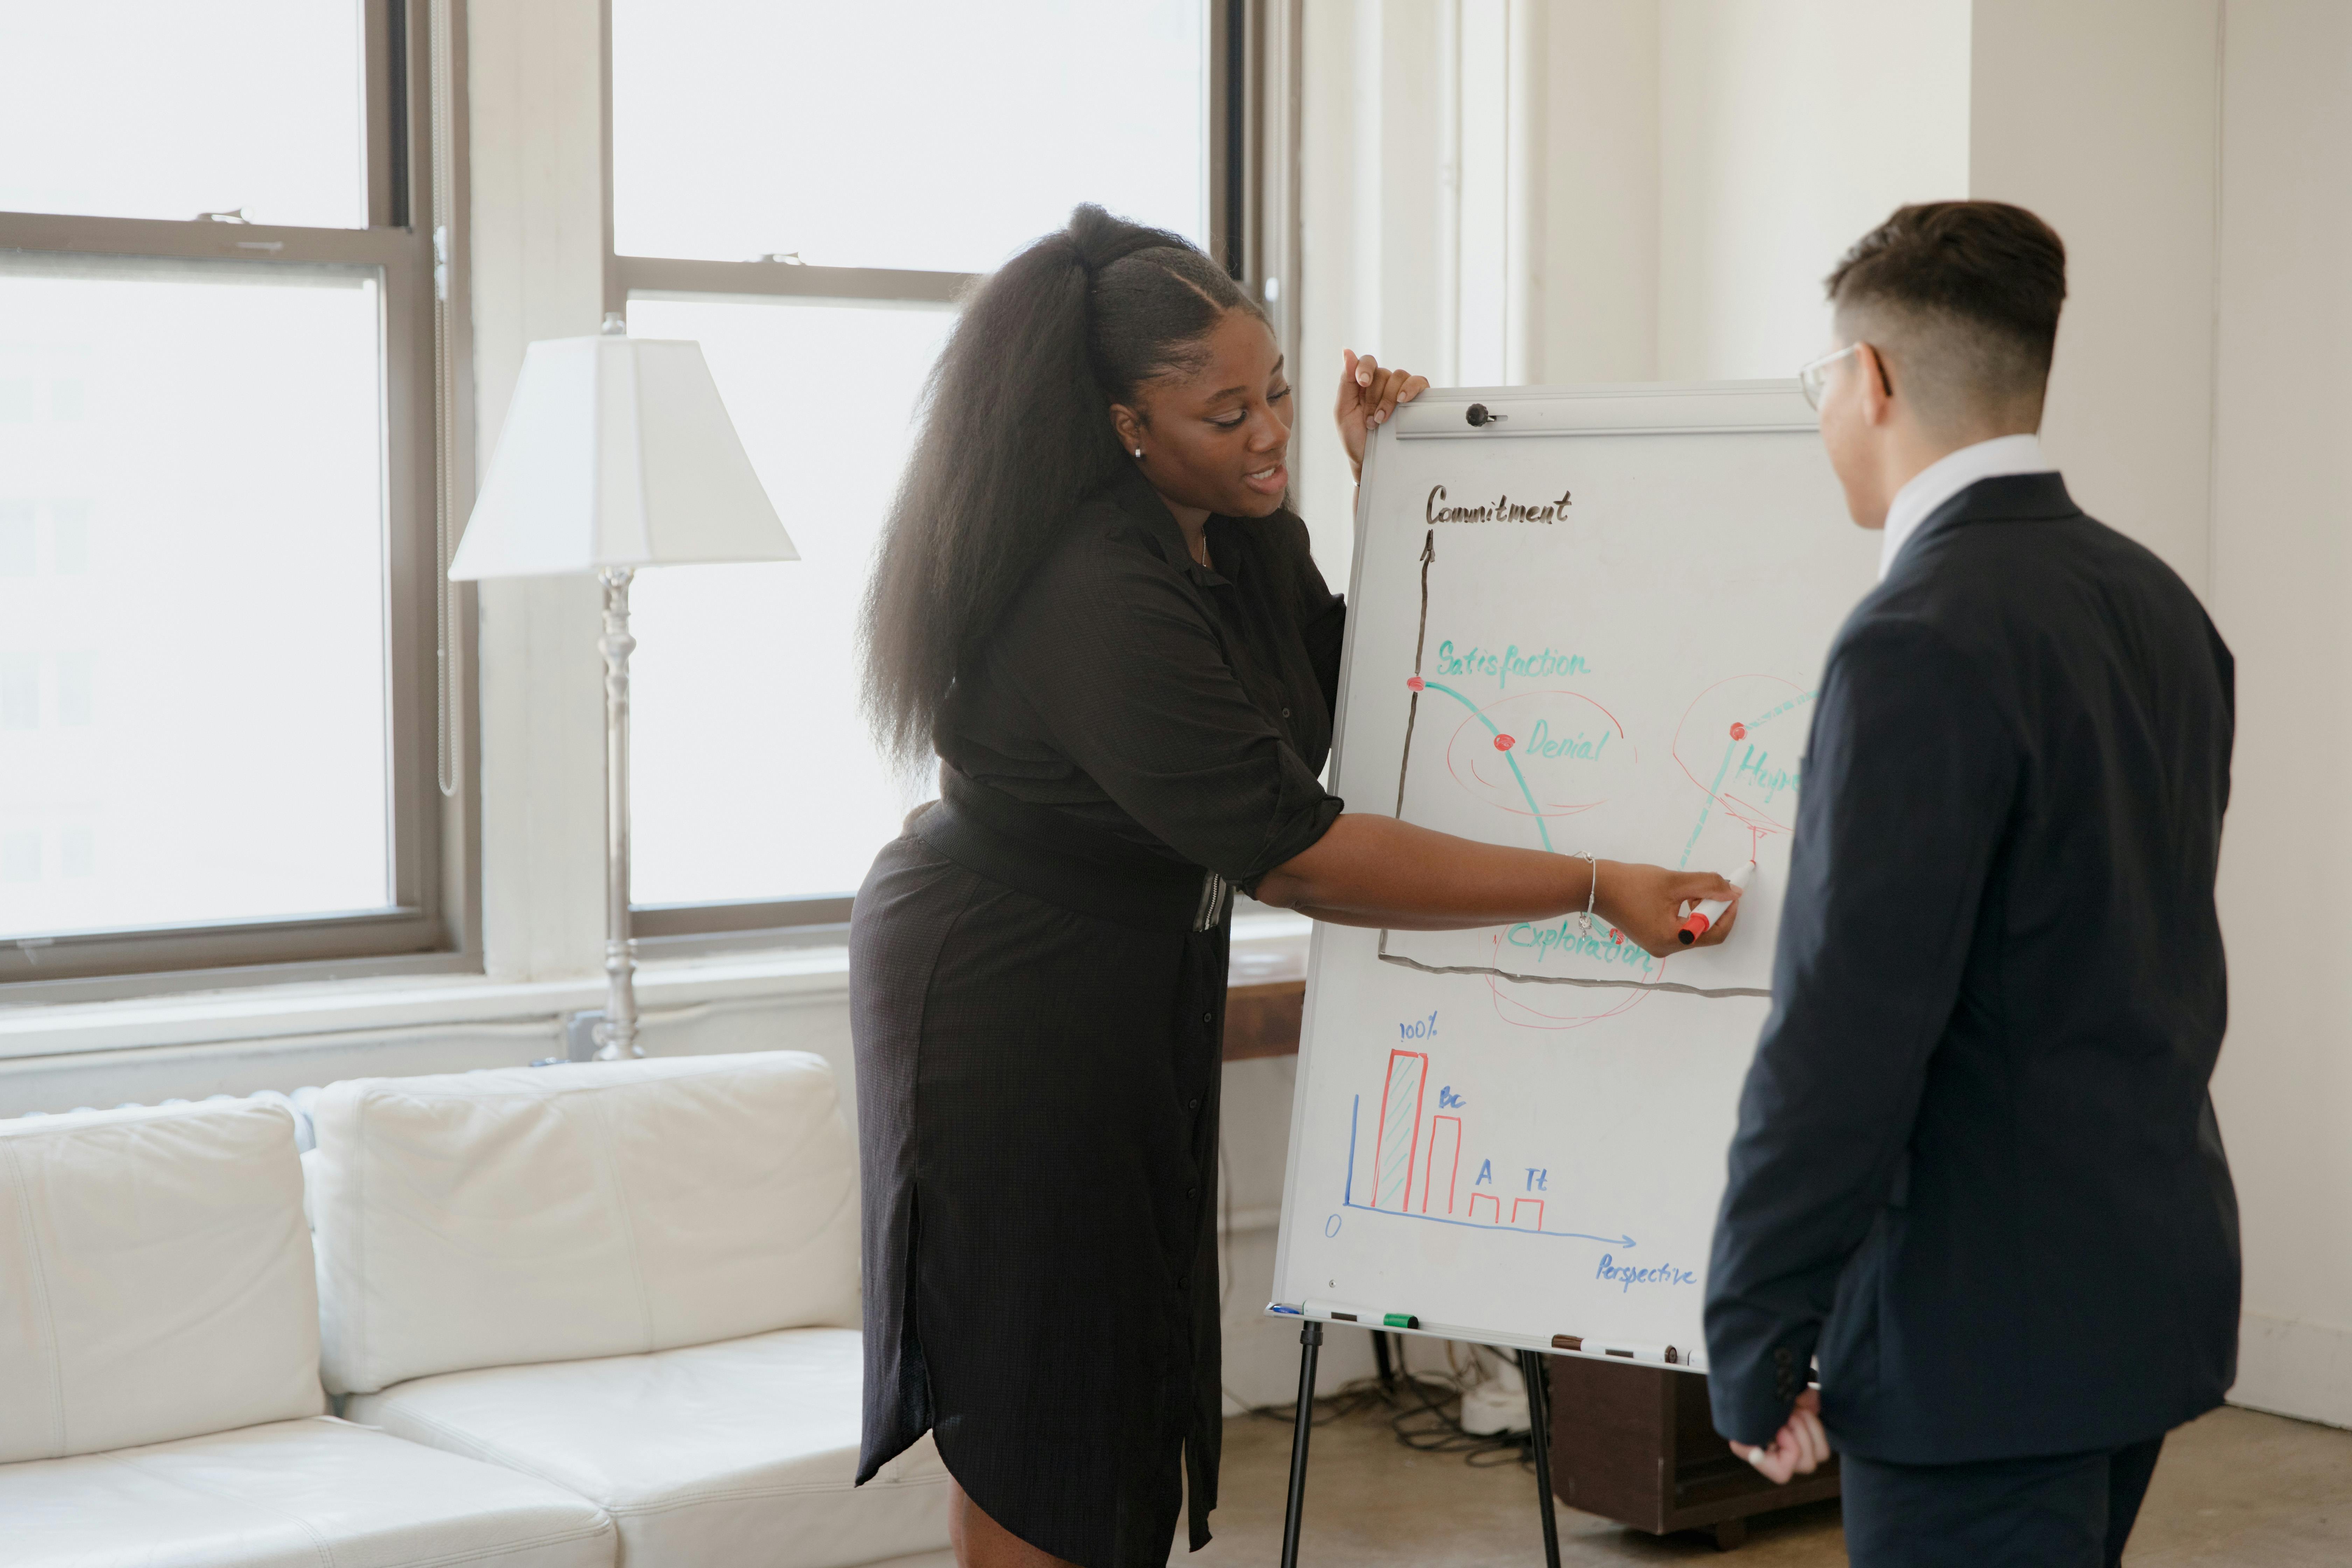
(1372, 870)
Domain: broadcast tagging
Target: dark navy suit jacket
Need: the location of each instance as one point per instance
(1977, 1171)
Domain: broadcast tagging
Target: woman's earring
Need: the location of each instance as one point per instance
(1139, 454)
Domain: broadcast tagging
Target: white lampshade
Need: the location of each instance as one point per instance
(616, 452)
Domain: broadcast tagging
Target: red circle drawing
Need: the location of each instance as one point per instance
(1739, 732)
(1504, 742)
(1413, 683)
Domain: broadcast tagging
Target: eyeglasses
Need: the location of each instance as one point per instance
(1813, 378)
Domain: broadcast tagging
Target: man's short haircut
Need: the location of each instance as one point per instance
(1962, 299)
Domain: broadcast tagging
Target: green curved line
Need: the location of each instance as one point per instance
(1541, 832)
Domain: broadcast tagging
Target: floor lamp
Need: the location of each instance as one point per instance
(616, 454)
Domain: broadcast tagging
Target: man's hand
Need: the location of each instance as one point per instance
(1798, 1448)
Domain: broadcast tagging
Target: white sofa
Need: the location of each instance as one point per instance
(160, 1402)
(637, 1281)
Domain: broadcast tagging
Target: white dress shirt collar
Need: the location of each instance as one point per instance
(1946, 476)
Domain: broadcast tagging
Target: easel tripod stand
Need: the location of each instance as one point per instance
(1531, 1371)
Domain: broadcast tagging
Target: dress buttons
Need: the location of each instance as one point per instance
(1192, 1192)
(1194, 1105)
(1286, 713)
(1208, 1017)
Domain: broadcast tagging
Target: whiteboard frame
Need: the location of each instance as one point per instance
(1643, 408)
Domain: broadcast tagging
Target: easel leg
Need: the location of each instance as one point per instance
(1310, 1342)
(1380, 1362)
(1532, 1372)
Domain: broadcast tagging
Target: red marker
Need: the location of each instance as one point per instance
(1711, 909)
(1504, 742)
(1413, 683)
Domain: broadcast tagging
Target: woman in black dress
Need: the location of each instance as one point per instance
(1091, 603)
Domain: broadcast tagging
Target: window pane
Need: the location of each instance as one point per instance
(168, 109)
(193, 715)
(923, 133)
(752, 775)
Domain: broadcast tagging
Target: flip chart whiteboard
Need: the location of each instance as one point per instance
(1595, 623)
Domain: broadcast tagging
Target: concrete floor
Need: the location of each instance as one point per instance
(2236, 1488)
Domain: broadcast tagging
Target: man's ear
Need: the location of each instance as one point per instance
(1877, 386)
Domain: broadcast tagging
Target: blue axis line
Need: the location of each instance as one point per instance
(1540, 831)
(1505, 1229)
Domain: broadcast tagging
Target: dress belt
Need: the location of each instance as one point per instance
(1049, 854)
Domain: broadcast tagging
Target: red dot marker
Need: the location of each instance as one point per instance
(1739, 732)
(1504, 742)
(1616, 936)
(1413, 683)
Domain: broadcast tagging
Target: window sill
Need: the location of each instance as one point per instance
(1268, 946)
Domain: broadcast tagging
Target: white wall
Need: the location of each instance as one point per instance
(2281, 572)
(535, 105)
(1787, 130)
(2101, 118)
(1514, 191)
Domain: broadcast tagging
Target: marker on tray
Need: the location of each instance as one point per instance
(1340, 1312)
(1711, 909)
(1628, 1349)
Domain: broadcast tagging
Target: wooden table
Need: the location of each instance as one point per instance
(1638, 1444)
(1263, 1020)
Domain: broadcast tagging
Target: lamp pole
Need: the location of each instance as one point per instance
(616, 1036)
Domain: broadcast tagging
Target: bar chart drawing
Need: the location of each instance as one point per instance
(1400, 1134)
(1417, 1160)
(1445, 1162)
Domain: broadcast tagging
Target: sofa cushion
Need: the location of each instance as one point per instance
(739, 1453)
(604, 1208)
(155, 1277)
(291, 1494)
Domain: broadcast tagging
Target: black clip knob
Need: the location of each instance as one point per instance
(1477, 415)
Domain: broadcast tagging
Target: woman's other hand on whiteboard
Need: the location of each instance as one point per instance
(1649, 903)
(1799, 1449)
(1368, 396)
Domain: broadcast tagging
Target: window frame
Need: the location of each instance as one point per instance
(1253, 157)
(412, 63)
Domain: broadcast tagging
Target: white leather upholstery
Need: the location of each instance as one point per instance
(291, 1494)
(155, 1279)
(739, 1454)
(528, 1215)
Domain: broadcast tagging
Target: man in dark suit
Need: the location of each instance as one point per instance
(1976, 1173)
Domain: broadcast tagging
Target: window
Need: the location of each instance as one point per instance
(806, 188)
(217, 541)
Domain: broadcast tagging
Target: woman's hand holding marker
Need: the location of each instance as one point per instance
(1368, 396)
(1647, 903)
(1712, 911)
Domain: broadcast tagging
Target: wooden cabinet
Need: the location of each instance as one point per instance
(1636, 1444)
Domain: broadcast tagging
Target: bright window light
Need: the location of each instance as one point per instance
(752, 774)
(192, 712)
(932, 134)
(167, 108)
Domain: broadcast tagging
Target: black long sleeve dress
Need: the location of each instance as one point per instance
(1037, 997)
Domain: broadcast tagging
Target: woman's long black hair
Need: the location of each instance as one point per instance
(1015, 431)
